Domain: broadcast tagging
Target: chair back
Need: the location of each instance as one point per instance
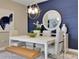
(59, 41)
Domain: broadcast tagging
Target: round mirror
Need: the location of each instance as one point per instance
(51, 20)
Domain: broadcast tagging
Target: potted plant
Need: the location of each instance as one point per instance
(37, 28)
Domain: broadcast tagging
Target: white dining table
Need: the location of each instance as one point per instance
(38, 40)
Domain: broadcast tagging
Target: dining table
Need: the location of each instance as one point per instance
(43, 40)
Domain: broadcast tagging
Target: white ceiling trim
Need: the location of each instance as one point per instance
(28, 2)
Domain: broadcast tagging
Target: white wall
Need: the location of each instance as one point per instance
(20, 17)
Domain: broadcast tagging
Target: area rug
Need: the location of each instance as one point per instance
(7, 55)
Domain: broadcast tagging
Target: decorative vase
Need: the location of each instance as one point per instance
(37, 31)
(64, 28)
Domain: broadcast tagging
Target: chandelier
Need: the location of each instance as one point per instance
(33, 11)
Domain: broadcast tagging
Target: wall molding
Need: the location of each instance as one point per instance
(73, 51)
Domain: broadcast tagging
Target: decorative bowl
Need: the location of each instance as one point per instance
(32, 34)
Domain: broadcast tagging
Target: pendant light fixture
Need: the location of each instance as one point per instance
(33, 10)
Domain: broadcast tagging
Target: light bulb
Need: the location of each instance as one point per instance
(33, 12)
(30, 10)
(36, 10)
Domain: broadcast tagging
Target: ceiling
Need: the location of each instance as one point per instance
(27, 2)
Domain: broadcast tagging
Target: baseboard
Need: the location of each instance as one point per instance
(74, 51)
(2, 48)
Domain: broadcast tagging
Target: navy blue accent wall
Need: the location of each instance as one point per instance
(68, 10)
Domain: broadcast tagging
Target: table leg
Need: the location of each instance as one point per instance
(9, 42)
(46, 53)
